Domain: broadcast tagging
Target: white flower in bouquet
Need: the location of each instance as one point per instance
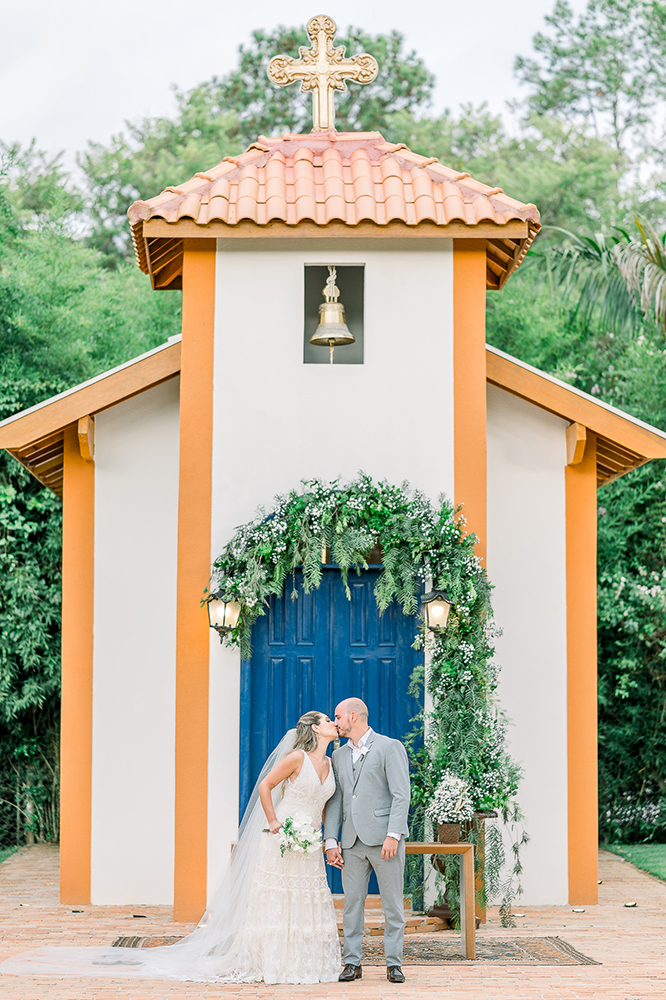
(298, 835)
(452, 802)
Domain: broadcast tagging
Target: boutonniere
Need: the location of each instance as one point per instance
(364, 750)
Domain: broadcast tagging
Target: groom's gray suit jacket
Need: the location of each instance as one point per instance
(374, 800)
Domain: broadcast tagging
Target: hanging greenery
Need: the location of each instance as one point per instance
(465, 732)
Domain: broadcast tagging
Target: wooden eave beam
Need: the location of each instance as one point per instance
(604, 477)
(167, 259)
(165, 275)
(86, 436)
(493, 264)
(576, 441)
(611, 467)
(188, 228)
(37, 455)
(570, 406)
(162, 251)
(23, 431)
(500, 252)
(51, 479)
(44, 466)
(44, 443)
(614, 450)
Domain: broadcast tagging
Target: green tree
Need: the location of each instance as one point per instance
(30, 586)
(63, 318)
(632, 656)
(598, 326)
(600, 71)
(36, 184)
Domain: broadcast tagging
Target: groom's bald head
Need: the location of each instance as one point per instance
(350, 705)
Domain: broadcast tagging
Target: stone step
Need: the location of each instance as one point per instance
(371, 902)
(415, 923)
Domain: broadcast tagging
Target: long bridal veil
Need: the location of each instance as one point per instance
(210, 953)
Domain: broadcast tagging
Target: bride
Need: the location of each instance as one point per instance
(272, 918)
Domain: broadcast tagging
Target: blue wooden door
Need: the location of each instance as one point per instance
(311, 653)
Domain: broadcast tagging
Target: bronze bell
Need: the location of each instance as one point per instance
(332, 331)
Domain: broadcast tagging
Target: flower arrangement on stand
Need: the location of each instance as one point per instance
(422, 542)
(450, 806)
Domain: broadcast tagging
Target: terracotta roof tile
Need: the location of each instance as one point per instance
(329, 176)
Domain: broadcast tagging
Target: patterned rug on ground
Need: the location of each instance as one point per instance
(434, 951)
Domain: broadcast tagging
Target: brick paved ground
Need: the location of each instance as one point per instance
(631, 944)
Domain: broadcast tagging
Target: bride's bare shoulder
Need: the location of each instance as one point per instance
(294, 762)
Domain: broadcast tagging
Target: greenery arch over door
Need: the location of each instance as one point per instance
(465, 732)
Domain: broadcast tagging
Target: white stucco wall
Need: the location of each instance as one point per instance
(526, 563)
(278, 420)
(136, 506)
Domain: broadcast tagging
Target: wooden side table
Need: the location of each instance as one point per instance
(465, 853)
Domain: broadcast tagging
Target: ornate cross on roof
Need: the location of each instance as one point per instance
(322, 69)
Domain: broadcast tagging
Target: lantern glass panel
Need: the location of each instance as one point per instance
(223, 614)
(233, 613)
(438, 613)
(436, 607)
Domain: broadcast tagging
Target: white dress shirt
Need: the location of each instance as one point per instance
(356, 749)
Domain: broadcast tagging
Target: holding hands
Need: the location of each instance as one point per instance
(334, 857)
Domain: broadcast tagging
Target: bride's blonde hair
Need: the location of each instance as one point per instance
(306, 738)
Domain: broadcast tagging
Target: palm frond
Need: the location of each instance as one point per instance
(586, 276)
(642, 264)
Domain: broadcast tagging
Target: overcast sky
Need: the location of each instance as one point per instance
(74, 70)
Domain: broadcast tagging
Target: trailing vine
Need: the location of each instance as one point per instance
(465, 732)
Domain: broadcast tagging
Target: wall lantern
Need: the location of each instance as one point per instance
(222, 615)
(436, 607)
(332, 331)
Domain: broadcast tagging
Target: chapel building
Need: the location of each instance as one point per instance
(159, 460)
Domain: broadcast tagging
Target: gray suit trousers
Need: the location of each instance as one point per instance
(359, 861)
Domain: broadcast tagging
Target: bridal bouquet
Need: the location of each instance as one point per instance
(298, 835)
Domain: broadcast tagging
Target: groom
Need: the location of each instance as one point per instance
(370, 803)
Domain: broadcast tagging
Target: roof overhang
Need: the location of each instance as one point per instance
(159, 245)
(623, 441)
(35, 436)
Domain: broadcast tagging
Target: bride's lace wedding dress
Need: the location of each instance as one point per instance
(291, 935)
(272, 918)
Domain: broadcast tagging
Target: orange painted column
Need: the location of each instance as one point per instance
(194, 540)
(469, 392)
(469, 398)
(78, 562)
(581, 564)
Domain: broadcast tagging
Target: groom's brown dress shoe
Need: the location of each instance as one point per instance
(394, 974)
(350, 973)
